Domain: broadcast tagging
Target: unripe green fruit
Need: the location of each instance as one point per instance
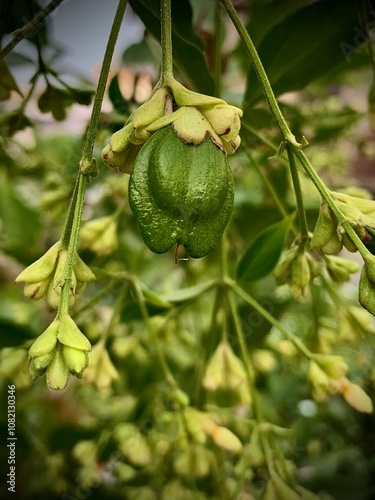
(181, 193)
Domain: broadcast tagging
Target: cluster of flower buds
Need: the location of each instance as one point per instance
(327, 376)
(101, 371)
(297, 268)
(330, 237)
(100, 235)
(61, 349)
(226, 372)
(45, 277)
(193, 117)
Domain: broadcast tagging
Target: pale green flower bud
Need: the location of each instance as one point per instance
(194, 461)
(224, 370)
(82, 270)
(224, 438)
(366, 291)
(70, 335)
(325, 227)
(195, 426)
(115, 152)
(333, 246)
(185, 97)
(57, 372)
(334, 366)
(340, 269)
(100, 235)
(282, 271)
(319, 381)
(76, 360)
(150, 111)
(39, 363)
(124, 472)
(41, 269)
(46, 342)
(348, 244)
(132, 444)
(36, 290)
(356, 397)
(300, 275)
(85, 451)
(101, 370)
(263, 360)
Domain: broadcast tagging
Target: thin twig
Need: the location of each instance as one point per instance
(34, 24)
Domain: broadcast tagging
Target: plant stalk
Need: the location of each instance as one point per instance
(166, 43)
(298, 194)
(73, 223)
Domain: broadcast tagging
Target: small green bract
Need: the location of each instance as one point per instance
(181, 193)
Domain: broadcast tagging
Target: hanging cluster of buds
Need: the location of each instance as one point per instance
(45, 277)
(60, 350)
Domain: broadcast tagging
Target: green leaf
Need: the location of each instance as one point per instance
(119, 103)
(304, 47)
(187, 47)
(264, 252)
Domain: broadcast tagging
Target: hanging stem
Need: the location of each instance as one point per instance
(159, 352)
(73, 223)
(261, 74)
(266, 315)
(166, 43)
(298, 193)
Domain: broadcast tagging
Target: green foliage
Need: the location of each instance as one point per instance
(245, 373)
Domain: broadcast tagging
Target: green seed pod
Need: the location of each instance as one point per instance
(181, 193)
(325, 227)
(366, 292)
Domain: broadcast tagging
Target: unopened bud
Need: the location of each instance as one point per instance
(42, 268)
(366, 291)
(356, 397)
(340, 269)
(224, 438)
(57, 372)
(46, 342)
(76, 360)
(101, 371)
(70, 335)
(100, 235)
(300, 275)
(225, 370)
(325, 227)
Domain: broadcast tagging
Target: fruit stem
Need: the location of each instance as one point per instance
(73, 222)
(166, 43)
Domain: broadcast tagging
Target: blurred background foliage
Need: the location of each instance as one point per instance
(117, 433)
